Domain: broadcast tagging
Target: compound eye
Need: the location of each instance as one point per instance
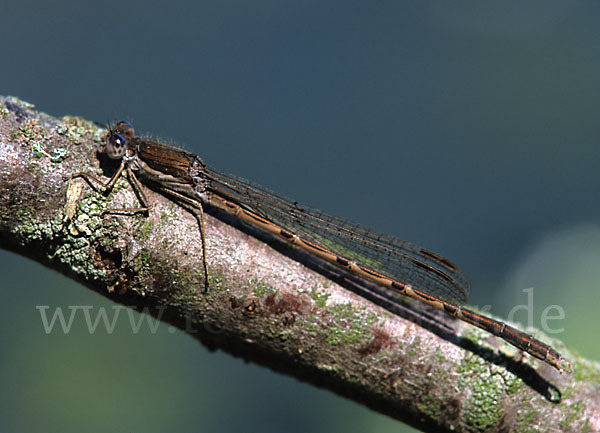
(125, 128)
(116, 146)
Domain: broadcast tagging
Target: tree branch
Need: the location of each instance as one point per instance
(266, 302)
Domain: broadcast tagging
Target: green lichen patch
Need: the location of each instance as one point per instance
(261, 289)
(431, 406)
(4, 112)
(320, 297)
(414, 347)
(488, 386)
(576, 411)
(585, 370)
(354, 325)
(336, 336)
(76, 128)
(40, 141)
(312, 325)
(527, 417)
(88, 217)
(72, 250)
(142, 259)
(215, 279)
(216, 283)
(145, 229)
(350, 325)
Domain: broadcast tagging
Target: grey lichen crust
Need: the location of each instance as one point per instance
(261, 304)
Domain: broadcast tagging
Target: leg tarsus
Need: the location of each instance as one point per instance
(200, 218)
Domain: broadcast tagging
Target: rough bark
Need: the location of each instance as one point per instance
(268, 302)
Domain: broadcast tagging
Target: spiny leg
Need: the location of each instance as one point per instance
(137, 188)
(196, 209)
(200, 218)
(106, 186)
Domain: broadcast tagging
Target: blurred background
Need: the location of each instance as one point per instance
(469, 128)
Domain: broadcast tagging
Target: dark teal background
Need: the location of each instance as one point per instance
(470, 128)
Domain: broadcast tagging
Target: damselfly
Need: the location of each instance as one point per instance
(405, 268)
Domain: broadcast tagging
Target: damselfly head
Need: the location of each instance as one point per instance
(115, 145)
